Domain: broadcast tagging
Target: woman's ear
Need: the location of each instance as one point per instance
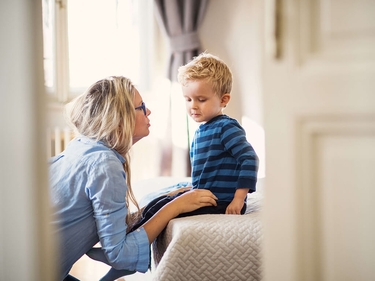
(225, 100)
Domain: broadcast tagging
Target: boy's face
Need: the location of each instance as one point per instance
(202, 103)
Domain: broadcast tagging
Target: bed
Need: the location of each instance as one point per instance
(207, 247)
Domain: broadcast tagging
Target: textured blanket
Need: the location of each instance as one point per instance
(211, 247)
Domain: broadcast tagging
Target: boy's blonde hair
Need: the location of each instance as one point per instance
(209, 68)
(105, 112)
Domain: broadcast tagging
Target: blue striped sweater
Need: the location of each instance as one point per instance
(222, 159)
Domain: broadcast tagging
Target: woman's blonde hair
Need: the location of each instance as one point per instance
(209, 68)
(105, 112)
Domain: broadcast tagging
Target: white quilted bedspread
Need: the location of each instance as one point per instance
(211, 247)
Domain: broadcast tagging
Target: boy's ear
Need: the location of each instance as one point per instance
(225, 100)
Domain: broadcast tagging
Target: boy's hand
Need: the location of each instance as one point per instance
(234, 208)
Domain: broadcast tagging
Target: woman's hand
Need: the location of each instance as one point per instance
(187, 202)
(194, 199)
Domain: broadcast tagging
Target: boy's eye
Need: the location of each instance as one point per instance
(202, 100)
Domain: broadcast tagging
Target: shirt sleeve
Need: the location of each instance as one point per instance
(234, 140)
(106, 189)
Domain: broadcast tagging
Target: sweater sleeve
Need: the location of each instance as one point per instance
(233, 138)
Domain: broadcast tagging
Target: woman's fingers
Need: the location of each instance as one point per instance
(195, 199)
(208, 197)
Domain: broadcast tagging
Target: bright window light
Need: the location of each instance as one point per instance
(103, 40)
(87, 40)
(48, 38)
(256, 137)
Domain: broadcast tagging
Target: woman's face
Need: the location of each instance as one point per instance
(142, 123)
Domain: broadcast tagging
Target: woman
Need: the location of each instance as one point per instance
(91, 185)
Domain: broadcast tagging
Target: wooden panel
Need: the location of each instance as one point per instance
(336, 198)
(336, 30)
(346, 184)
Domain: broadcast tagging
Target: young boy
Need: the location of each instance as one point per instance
(222, 160)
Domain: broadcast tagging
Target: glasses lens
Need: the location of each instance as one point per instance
(143, 107)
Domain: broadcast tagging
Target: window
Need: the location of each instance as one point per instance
(48, 42)
(86, 40)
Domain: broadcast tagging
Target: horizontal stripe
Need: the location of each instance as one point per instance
(222, 159)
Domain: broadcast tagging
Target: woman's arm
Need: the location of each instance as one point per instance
(187, 202)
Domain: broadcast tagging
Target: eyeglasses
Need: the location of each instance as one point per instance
(143, 107)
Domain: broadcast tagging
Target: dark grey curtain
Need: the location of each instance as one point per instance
(180, 20)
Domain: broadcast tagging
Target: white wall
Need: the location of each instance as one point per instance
(230, 31)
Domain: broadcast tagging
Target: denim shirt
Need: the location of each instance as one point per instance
(87, 190)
